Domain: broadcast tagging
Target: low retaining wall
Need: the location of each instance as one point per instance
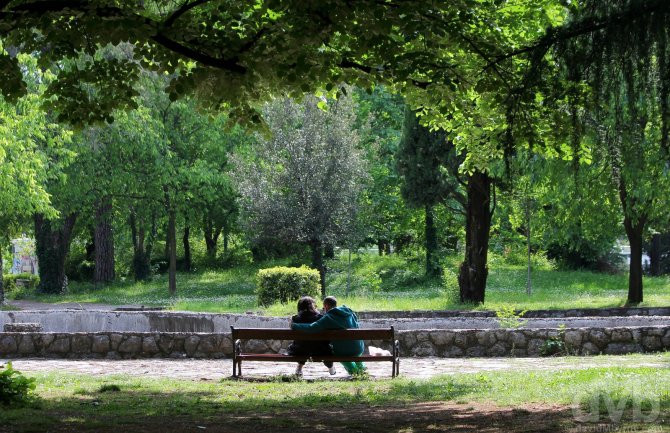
(419, 343)
(547, 314)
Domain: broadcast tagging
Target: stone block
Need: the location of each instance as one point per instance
(44, 340)
(165, 343)
(621, 336)
(100, 344)
(442, 338)
(26, 345)
(149, 345)
(424, 349)
(461, 340)
(227, 345)
(651, 343)
(534, 346)
(274, 345)
(8, 345)
(407, 339)
(422, 336)
(590, 349)
(81, 343)
(518, 339)
(61, 344)
(131, 345)
(666, 339)
(599, 338)
(622, 348)
(497, 349)
(573, 339)
(114, 341)
(475, 351)
(191, 344)
(253, 346)
(502, 335)
(485, 338)
(455, 352)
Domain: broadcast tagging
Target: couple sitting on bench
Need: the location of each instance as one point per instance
(334, 317)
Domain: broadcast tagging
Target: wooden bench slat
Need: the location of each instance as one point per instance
(291, 334)
(334, 358)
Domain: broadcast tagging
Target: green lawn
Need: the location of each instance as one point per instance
(81, 402)
(377, 283)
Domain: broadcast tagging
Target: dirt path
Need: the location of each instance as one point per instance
(192, 369)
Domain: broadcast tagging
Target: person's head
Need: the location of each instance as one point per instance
(329, 302)
(307, 303)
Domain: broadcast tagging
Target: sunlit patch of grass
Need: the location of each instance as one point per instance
(373, 283)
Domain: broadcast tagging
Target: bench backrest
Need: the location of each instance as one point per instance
(290, 334)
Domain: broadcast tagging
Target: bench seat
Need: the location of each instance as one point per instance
(241, 334)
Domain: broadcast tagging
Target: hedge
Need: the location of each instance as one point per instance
(284, 284)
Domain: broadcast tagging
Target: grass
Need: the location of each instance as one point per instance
(377, 283)
(84, 401)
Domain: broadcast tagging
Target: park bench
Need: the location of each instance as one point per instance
(241, 334)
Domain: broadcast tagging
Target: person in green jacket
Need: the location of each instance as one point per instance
(338, 318)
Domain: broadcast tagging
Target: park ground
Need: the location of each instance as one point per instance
(627, 393)
(499, 395)
(375, 284)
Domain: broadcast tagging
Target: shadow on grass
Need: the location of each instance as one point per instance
(239, 406)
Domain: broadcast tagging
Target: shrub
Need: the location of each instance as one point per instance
(15, 388)
(508, 317)
(450, 285)
(9, 281)
(284, 284)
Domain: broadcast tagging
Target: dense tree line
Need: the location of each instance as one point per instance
(506, 100)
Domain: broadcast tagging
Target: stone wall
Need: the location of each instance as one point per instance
(419, 343)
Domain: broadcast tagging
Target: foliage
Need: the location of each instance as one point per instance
(15, 388)
(450, 285)
(509, 317)
(9, 281)
(283, 284)
(554, 345)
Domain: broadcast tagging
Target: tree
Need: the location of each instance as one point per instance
(428, 164)
(304, 182)
(32, 154)
(387, 219)
(613, 59)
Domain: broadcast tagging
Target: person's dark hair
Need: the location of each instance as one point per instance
(307, 303)
(330, 301)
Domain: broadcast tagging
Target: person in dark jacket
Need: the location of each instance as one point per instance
(338, 318)
(307, 313)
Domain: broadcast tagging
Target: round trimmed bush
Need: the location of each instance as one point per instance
(284, 284)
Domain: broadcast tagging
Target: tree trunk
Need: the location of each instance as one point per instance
(141, 250)
(634, 230)
(317, 263)
(188, 265)
(226, 238)
(2, 282)
(474, 270)
(634, 233)
(655, 255)
(52, 248)
(172, 251)
(329, 251)
(104, 243)
(432, 261)
(384, 247)
(212, 233)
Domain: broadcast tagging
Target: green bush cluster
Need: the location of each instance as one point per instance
(284, 284)
(15, 388)
(9, 281)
